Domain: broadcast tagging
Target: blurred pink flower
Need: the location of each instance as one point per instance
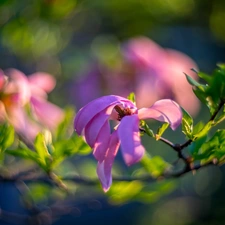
(21, 94)
(160, 73)
(92, 121)
(146, 69)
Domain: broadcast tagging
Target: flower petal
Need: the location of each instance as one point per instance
(102, 142)
(94, 126)
(104, 168)
(129, 135)
(91, 109)
(164, 110)
(43, 81)
(18, 83)
(48, 114)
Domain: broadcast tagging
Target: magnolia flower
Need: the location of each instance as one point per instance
(92, 121)
(18, 93)
(160, 73)
(144, 67)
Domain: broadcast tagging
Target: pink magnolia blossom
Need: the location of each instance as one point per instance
(92, 121)
(160, 73)
(144, 67)
(20, 91)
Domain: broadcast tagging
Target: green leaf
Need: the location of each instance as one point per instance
(69, 147)
(213, 148)
(195, 146)
(187, 124)
(131, 97)
(24, 153)
(155, 166)
(146, 128)
(161, 130)
(123, 191)
(195, 83)
(200, 131)
(7, 134)
(205, 76)
(152, 192)
(219, 118)
(41, 149)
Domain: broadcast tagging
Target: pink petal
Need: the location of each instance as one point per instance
(2, 79)
(129, 135)
(3, 114)
(18, 83)
(47, 113)
(94, 126)
(102, 142)
(164, 110)
(92, 108)
(23, 124)
(43, 81)
(104, 168)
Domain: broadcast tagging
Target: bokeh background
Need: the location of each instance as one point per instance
(81, 43)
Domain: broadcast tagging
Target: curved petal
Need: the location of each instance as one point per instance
(18, 83)
(102, 142)
(42, 80)
(48, 114)
(129, 135)
(2, 79)
(23, 124)
(164, 110)
(94, 126)
(91, 109)
(104, 168)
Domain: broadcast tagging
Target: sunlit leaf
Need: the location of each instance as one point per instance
(146, 129)
(213, 148)
(131, 97)
(122, 192)
(155, 166)
(154, 191)
(187, 124)
(7, 134)
(161, 130)
(201, 130)
(41, 148)
(195, 83)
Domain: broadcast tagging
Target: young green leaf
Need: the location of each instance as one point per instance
(7, 134)
(161, 130)
(131, 97)
(156, 166)
(146, 129)
(200, 132)
(41, 149)
(187, 124)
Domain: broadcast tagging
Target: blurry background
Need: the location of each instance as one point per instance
(79, 42)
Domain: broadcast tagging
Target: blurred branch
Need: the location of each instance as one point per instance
(88, 181)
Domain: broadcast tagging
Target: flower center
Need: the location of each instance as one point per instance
(123, 112)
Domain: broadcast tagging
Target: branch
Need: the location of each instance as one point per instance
(89, 181)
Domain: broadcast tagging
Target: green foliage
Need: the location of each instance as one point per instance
(161, 130)
(214, 148)
(131, 97)
(7, 134)
(47, 151)
(122, 192)
(146, 129)
(155, 166)
(187, 124)
(213, 92)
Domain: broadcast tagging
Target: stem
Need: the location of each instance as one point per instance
(216, 112)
